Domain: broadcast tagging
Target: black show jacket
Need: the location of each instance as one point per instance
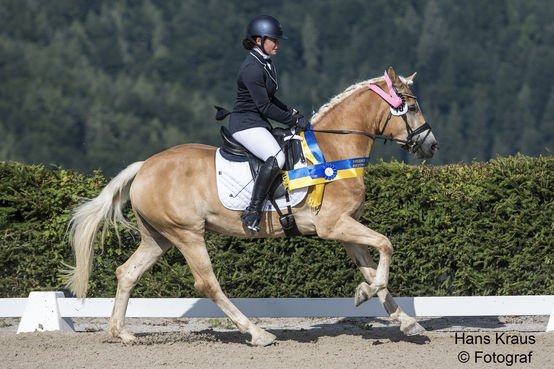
(256, 101)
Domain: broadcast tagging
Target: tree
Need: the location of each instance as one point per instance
(88, 84)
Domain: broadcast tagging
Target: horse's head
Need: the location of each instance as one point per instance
(405, 122)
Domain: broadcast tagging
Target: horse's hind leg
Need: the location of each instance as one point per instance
(363, 260)
(193, 247)
(151, 248)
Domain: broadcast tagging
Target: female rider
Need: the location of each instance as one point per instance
(254, 104)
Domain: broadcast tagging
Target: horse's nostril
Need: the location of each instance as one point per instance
(434, 147)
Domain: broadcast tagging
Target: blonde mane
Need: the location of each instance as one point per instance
(346, 93)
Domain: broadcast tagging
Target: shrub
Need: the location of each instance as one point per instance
(476, 229)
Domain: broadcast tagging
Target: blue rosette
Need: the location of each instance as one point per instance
(329, 171)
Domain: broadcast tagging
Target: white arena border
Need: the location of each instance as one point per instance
(43, 311)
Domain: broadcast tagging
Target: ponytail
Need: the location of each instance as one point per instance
(248, 43)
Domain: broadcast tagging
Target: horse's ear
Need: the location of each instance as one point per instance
(396, 82)
(411, 78)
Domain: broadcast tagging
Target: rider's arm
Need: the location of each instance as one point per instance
(280, 104)
(270, 108)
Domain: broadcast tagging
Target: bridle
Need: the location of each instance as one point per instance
(398, 107)
(409, 143)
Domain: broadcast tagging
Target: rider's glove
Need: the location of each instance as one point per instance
(301, 122)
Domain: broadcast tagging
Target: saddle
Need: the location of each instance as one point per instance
(292, 148)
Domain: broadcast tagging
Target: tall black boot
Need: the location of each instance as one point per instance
(266, 175)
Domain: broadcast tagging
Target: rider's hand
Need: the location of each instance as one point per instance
(303, 123)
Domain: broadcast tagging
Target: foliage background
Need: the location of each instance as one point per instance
(88, 84)
(464, 229)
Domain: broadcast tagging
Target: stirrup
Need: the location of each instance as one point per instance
(254, 229)
(250, 218)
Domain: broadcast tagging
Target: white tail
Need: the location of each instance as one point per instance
(84, 225)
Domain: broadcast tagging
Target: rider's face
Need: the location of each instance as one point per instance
(270, 45)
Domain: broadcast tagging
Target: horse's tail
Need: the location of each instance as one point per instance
(105, 209)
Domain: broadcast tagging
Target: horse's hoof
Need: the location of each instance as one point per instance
(263, 339)
(127, 337)
(413, 329)
(364, 292)
(122, 334)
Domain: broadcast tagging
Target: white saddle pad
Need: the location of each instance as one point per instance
(235, 184)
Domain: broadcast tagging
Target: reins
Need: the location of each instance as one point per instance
(348, 132)
(408, 144)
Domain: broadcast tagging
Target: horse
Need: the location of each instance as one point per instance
(169, 215)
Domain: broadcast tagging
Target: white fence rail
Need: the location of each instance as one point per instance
(52, 311)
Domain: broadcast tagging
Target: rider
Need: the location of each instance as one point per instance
(255, 103)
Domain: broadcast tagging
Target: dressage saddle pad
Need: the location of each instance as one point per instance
(235, 184)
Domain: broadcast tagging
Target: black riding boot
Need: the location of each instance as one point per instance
(266, 175)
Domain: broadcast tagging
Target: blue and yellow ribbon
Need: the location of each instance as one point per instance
(326, 172)
(311, 148)
(313, 154)
(321, 172)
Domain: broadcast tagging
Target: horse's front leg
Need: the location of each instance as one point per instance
(349, 231)
(363, 260)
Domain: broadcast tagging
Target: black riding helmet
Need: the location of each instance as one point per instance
(264, 26)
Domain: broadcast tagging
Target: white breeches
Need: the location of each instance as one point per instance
(261, 143)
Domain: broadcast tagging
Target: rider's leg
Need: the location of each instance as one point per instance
(266, 175)
(261, 143)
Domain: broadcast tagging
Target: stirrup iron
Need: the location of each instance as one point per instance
(251, 218)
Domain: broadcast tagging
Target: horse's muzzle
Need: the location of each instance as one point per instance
(427, 147)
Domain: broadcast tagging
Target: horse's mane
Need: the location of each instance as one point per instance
(346, 93)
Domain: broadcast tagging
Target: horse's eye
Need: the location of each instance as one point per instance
(412, 107)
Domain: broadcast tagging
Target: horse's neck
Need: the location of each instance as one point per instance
(358, 112)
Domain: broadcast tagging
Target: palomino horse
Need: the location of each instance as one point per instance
(168, 215)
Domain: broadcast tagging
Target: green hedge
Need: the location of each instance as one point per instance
(477, 229)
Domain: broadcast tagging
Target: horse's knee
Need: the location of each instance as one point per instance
(384, 246)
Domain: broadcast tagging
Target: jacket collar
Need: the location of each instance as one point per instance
(263, 55)
(264, 59)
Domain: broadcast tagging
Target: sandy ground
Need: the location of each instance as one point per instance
(470, 342)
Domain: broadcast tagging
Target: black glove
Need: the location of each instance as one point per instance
(300, 121)
(303, 123)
